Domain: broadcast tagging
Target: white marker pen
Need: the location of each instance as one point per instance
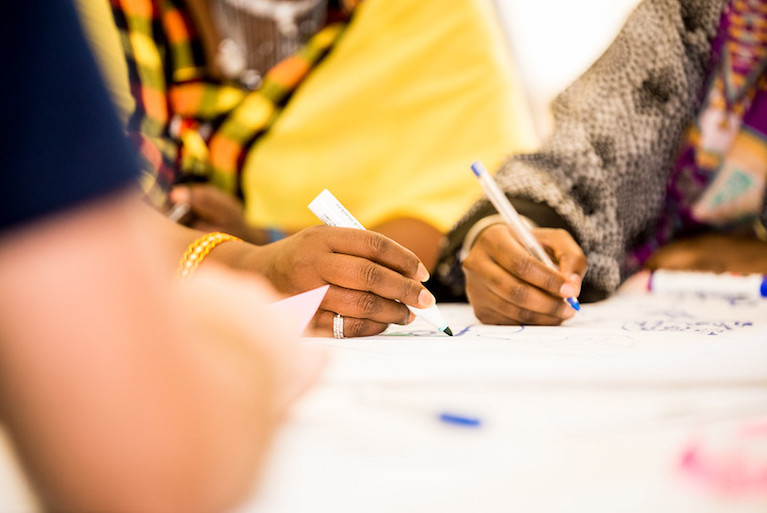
(726, 284)
(330, 211)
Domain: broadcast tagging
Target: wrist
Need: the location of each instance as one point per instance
(251, 258)
(474, 232)
(480, 226)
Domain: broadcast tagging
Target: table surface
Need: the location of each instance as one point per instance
(641, 403)
(637, 404)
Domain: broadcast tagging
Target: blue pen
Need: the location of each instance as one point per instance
(506, 209)
(460, 420)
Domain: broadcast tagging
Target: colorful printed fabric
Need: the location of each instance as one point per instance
(188, 125)
(719, 178)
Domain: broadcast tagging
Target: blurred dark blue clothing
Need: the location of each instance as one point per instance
(60, 140)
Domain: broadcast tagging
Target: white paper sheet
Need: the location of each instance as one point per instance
(595, 415)
(629, 338)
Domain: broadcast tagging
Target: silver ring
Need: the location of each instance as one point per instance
(338, 326)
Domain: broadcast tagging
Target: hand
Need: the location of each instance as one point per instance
(715, 252)
(214, 210)
(370, 276)
(507, 285)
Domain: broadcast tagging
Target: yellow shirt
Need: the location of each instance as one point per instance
(104, 38)
(414, 92)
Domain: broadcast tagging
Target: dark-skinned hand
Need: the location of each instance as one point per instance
(371, 277)
(506, 284)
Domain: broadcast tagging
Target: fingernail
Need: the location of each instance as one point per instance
(411, 318)
(180, 194)
(568, 313)
(422, 274)
(425, 299)
(567, 290)
(575, 278)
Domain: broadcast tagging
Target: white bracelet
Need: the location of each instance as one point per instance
(473, 234)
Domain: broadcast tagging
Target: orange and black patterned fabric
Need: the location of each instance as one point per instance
(188, 125)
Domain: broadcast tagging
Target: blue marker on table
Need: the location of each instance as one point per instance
(510, 215)
(459, 420)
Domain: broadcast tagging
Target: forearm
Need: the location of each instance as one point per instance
(237, 255)
(605, 167)
(101, 377)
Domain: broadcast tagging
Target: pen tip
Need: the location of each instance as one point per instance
(574, 303)
(477, 168)
(448, 331)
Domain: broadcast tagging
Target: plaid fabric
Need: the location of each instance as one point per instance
(188, 125)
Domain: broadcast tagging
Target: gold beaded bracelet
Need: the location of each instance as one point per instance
(198, 250)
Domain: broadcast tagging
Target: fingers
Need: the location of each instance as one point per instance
(372, 278)
(352, 326)
(493, 309)
(359, 274)
(365, 305)
(363, 261)
(499, 243)
(501, 298)
(377, 248)
(507, 285)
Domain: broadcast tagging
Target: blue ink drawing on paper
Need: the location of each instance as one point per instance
(687, 326)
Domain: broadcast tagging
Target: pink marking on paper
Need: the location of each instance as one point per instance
(754, 429)
(300, 308)
(735, 471)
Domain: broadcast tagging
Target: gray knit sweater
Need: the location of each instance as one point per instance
(603, 173)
